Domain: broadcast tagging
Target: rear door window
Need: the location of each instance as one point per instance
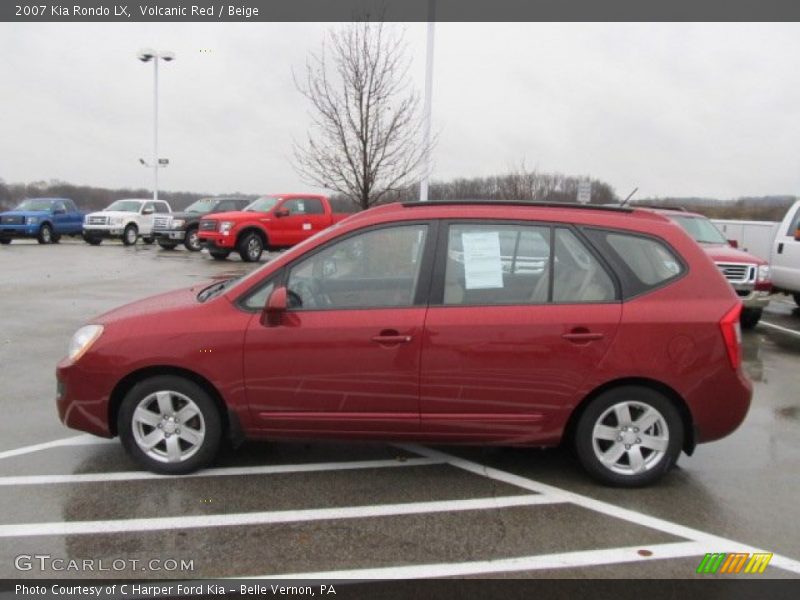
(578, 276)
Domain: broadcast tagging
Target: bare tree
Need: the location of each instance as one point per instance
(365, 138)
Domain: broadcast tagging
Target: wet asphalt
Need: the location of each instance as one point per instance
(744, 488)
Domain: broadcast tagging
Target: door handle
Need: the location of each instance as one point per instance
(579, 337)
(390, 336)
(780, 248)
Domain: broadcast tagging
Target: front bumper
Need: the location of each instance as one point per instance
(214, 239)
(8, 232)
(169, 234)
(82, 398)
(103, 232)
(752, 298)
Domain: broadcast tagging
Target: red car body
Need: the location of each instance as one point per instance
(510, 374)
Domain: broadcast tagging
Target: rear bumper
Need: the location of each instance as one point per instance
(720, 404)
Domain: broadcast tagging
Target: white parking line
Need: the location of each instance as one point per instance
(263, 518)
(585, 558)
(779, 328)
(78, 440)
(220, 472)
(717, 543)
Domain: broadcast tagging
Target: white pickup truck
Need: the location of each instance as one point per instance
(778, 243)
(127, 219)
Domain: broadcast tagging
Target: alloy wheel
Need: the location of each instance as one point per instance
(168, 426)
(630, 438)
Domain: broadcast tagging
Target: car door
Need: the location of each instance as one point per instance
(74, 217)
(146, 218)
(60, 217)
(519, 315)
(295, 226)
(785, 267)
(345, 356)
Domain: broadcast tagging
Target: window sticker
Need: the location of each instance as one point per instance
(483, 268)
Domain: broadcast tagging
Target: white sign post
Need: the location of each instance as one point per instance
(584, 192)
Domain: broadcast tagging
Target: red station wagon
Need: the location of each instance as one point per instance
(470, 323)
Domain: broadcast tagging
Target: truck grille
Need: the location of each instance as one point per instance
(738, 273)
(208, 225)
(162, 222)
(98, 221)
(12, 220)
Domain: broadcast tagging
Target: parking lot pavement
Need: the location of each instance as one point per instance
(361, 510)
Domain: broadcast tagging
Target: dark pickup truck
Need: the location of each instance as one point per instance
(45, 219)
(181, 227)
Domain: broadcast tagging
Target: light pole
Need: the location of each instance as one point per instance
(148, 55)
(426, 126)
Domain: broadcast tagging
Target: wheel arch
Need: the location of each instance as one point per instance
(253, 229)
(690, 436)
(230, 423)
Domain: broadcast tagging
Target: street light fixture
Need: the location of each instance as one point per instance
(147, 55)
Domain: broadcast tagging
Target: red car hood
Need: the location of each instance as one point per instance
(234, 215)
(725, 253)
(162, 304)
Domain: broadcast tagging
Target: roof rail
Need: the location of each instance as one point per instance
(661, 207)
(611, 207)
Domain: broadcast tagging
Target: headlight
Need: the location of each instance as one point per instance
(763, 273)
(31, 220)
(178, 222)
(225, 226)
(83, 340)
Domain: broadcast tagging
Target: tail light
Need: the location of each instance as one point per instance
(732, 334)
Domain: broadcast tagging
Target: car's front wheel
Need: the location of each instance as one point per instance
(167, 245)
(130, 235)
(45, 234)
(250, 247)
(169, 425)
(192, 241)
(629, 436)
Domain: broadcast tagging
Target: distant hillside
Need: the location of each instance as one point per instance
(749, 208)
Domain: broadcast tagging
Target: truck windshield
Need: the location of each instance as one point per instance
(204, 205)
(701, 229)
(263, 204)
(35, 204)
(125, 206)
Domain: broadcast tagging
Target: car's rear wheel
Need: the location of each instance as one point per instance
(45, 235)
(250, 247)
(5, 242)
(167, 245)
(130, 235)
(192, 240)
(170, 425)
(629, 436)
(750, 317)
(219, 254)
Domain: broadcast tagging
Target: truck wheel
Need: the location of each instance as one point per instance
(92, 240)
(750, 317)
(629, 436)
(219, 254)
(56, 238)
(5, 242)
(250, 247)
(45, 234)
(192, 240)
(169, 425)
(167, 245)
(148, 240)
(795, 296)
(130, 235)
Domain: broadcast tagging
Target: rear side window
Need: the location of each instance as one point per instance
(643, 262)
(794, 223)
(578, 275)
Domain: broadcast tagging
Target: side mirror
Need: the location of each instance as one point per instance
(275, 307)
(281, 212)
(148, 211)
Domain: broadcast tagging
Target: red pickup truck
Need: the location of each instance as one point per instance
(274, 221)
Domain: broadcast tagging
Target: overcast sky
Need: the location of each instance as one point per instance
(675, 109)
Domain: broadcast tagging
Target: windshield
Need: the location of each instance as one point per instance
(125, 206)
(203, 205)
(701, 229)
(35, 204)
(263, 204)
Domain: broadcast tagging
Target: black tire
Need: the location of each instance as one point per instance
(796, 299)
(219, 254)
(148, 240)
(596, 413)
(192, 240)
(45, 235)
(92, 240)
(750, 317)
(250, 247)
(167, 245)
(5, 242)
(56, 238)
(205, 451)
(130, 235)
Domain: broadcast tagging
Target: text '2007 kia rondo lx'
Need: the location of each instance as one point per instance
(471, 323)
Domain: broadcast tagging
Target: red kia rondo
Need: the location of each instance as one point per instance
(472, 323)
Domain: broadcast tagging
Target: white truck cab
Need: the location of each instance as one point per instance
(127, 219)
(785, 258)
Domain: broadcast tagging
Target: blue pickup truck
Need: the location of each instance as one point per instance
(45, 219)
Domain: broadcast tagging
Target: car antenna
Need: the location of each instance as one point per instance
(624, 202)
